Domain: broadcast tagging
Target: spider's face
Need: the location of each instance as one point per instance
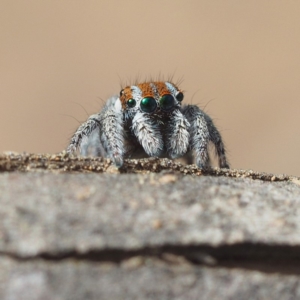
(151, 97)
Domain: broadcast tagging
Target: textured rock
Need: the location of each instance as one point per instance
(146, 235)
(147, 279)
(57, 213)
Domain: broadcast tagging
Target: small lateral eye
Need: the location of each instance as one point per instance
(179, 96)
(131, 103)
(166, 102)
(121, 93)
(148, 104)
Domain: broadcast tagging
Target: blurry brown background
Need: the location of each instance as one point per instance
(240, 59)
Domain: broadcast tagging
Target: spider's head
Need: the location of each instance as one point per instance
(151, 97)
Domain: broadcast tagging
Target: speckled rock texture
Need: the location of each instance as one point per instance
(77, 228)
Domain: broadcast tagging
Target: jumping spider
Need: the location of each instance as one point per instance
(148, 119)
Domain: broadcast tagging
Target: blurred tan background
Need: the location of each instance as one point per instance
(239, 59)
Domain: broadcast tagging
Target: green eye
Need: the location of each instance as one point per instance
(179, 96)
(131, 103)
(166, 102)
(148, 104)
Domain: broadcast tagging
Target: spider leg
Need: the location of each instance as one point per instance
(177, 134)
(109, 123)
(148, 134)
(216, 139)
(92, 145)
(203, 130)
(79, 140)
(112, 135)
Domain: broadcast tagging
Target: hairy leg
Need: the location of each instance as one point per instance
(177, 134)
(216, 138)
(92, 146)
(202, 130)
(112, 131)
(79, 140)
(109, 125)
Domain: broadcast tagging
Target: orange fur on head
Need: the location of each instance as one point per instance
(147, 91)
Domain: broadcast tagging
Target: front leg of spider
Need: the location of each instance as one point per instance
(202, 131)
(178, 135)
(109, 124)
(112, 131)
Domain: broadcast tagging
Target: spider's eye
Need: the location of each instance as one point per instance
(121, 93)
(148, 104)
(166, 102)
(131, 103)
(179, 96)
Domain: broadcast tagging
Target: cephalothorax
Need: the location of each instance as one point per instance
(148, 119)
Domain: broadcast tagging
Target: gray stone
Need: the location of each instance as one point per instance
(146, 235)
(150, 279)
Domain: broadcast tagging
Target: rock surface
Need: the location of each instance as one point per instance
(222, 234)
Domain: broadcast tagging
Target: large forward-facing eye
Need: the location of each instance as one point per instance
(148, 104)
(131, 103)
(179, 96)
(166, 102)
